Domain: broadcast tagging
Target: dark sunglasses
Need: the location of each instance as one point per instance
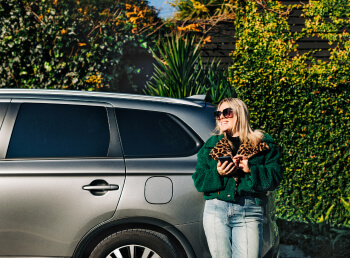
(227, 113)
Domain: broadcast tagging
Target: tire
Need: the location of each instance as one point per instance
(135, 243)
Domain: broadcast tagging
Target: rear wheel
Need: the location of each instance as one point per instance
(135, 243)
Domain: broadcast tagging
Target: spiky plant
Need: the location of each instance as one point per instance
(178, 72)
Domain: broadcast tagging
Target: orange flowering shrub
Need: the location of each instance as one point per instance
(142, 17)
(70, 44)
(189, 28)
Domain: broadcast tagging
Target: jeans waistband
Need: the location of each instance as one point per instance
(241, 199)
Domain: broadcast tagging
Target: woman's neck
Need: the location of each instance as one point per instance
(233, 135)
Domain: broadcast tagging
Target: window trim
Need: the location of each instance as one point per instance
(4, 105)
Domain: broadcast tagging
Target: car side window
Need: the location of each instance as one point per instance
(155, 134)
(59, 130)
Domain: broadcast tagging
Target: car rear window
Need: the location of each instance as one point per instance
(59, 130)
(155, 134)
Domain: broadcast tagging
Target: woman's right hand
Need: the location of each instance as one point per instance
(225, 168)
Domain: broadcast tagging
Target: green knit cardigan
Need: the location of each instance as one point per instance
(265, 174)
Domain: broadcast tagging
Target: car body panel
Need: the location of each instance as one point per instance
(42, 222)
(184, 193)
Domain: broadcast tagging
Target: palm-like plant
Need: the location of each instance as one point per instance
(218, 86)
(178, 72)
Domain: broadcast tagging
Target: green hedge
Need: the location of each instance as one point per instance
(83, 45)
(302, 102)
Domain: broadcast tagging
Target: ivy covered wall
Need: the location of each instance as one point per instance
(303, 102)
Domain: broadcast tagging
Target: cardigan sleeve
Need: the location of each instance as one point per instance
(263, 177)
(206, 177)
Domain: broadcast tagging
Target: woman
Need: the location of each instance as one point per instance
(236, 190)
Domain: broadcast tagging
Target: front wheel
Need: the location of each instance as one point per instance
(135, 243)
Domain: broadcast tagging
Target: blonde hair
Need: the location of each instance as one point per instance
(241, 122)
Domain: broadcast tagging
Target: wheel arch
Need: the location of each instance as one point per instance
(97, 234)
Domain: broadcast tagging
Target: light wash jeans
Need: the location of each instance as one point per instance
(234, 230)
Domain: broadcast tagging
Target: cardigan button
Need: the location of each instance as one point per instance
(228, 195)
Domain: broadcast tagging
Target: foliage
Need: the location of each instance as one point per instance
(180, 72)
(219, 85)
(301, 101)
(202, 9)
(86, 44)
(315, 240)
(343, 232)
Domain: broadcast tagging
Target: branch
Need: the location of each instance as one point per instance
(35, 15)
(264, 5)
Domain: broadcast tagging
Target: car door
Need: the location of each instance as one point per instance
(61, 174)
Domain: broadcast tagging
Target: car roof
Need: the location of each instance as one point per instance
(89, 95)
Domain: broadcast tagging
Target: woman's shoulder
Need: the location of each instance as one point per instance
(211, 142)
(267, 138)
(209, 145)
(270, 141)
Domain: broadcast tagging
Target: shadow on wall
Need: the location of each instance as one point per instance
(312, 239)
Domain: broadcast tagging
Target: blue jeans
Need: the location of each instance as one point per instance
(234, 230)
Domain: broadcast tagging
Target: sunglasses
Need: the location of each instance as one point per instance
(227, 113)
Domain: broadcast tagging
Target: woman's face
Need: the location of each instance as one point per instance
(225, 124)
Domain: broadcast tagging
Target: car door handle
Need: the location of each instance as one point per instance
(101, 187)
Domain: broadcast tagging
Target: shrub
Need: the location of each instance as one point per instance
(180, 73)
(202, 9)
(72, 44)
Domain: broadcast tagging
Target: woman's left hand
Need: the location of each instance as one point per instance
(243, 163)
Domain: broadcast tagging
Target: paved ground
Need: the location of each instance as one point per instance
(291, 251)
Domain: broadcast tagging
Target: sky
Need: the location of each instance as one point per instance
(165, 9)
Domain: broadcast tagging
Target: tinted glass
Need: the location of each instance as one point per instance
(148, 133)
(54, 130)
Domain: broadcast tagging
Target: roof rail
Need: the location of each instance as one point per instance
(199, 99)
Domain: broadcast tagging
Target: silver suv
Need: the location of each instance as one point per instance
(88, 174)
